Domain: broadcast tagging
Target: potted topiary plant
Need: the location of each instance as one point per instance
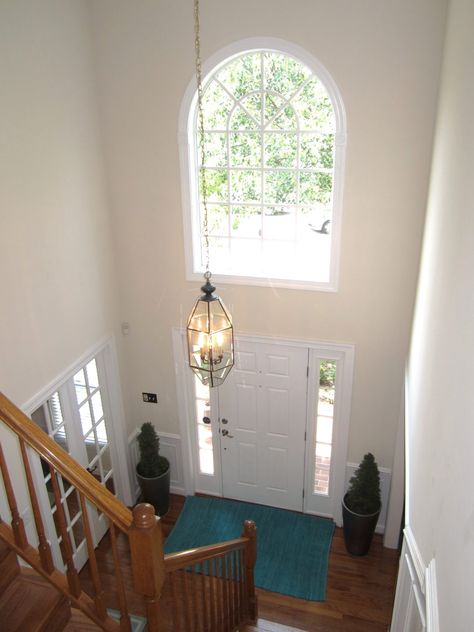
(361, 506)
(153, 470)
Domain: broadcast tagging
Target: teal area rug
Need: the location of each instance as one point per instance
(292, 548)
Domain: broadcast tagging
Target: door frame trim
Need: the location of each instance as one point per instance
(186, 410)
(344, 355)
(113, 404)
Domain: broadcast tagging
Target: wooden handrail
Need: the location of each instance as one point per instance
(51, 452)
(182, 559)
(219, 586)
(213, 586)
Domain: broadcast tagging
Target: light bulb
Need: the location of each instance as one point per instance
(203, 343)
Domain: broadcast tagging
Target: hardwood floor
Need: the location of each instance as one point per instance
(359, 597)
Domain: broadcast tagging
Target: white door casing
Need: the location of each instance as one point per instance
(197, 481)
(343, 355)
(104, 448)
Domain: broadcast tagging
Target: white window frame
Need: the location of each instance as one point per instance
(329, 504)
(105, 353)
(189, 168)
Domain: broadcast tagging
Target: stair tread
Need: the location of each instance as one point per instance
(263, 625)
(28, 603)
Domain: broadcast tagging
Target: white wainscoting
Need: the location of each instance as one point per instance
(416, 599)
(385, 479)
(170, 447)
(432, 613)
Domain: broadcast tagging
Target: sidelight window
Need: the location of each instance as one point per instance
(204, 428)
(324, 426)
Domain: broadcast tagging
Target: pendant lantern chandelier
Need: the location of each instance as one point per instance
(209, 331)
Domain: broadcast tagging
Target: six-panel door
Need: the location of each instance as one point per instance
(262, 410)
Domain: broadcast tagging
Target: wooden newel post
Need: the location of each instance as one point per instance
(250, 532)
(148, 566)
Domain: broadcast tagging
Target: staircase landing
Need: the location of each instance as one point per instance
(30, 603)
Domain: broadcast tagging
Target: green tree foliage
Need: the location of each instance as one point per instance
(151, 463)
(363, 494)
(327, 373)
(267, 110)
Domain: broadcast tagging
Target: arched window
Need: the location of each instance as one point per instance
(274, 140)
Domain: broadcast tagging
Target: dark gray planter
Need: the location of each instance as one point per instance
(156, 491)
(358, 529)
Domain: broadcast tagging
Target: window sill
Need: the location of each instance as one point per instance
(228, 279)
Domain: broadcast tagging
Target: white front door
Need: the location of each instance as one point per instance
(279, 424)
(262, 415)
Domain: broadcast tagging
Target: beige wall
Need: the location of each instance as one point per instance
(57, 269)
(440, 405)
(385, 59)
(56, 272)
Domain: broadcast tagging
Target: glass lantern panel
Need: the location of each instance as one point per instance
(218, 316)
(195, 345)
(199, 318)
(218, 376)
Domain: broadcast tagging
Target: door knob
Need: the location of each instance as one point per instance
(224, 421)
(225, 433)
(206, 420)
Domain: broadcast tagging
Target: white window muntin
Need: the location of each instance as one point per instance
(190, 156)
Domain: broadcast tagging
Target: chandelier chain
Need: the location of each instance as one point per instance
(202, 171)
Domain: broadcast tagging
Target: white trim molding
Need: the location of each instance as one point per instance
(432, 614)
(415, 557)
(340, 351)
(170, 447)
(45, 393)
(188, 163)
(409, 607)
(416, 598)
(105, 351)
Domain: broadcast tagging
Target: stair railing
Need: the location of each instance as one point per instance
(210, 588)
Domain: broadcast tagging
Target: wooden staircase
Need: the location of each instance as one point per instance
(28, 602)
(208, 589)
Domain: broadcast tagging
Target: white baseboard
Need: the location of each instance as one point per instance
(385, 479)
(170, 447)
